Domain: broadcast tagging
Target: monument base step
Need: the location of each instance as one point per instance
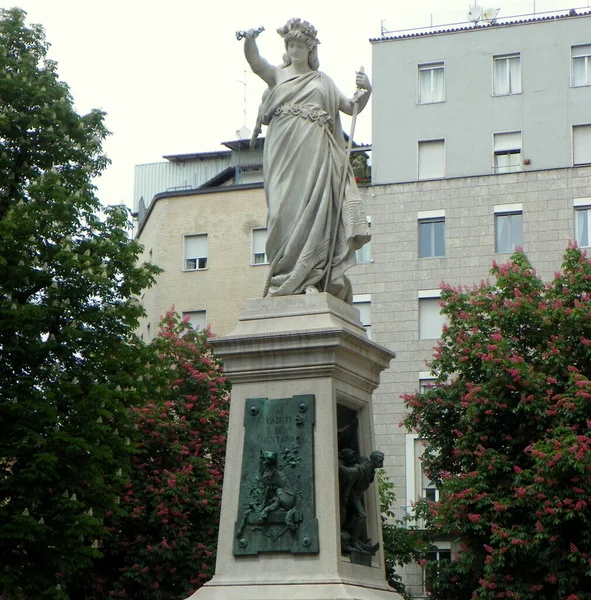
(286, 591)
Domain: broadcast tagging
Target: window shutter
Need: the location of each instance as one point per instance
(196, 246)
(582, 144)
(431, 159)
(259, 241)
(582, 221)
(364, 309)
(197, 319)
(431, 320)
(581, 51)
(505, 142)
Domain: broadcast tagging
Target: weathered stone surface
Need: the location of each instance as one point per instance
(310, 245)
(307, 345)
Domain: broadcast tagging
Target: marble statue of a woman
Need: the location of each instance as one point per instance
(304, 164)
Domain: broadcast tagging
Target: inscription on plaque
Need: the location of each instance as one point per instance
(276, 506)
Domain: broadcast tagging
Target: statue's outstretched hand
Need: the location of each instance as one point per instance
(362, 81)
(249, 34)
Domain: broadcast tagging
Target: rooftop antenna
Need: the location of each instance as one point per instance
(490, 15)
(383, 29)
(244, 132)
(474, 13)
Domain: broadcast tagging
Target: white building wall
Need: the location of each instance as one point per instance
(470, 114)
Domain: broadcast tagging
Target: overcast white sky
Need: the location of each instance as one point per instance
(170, 74)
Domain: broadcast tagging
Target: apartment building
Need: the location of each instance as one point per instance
(478, 100)
(202, 218)
(481, 144)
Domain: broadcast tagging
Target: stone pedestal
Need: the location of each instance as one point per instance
(284, 347)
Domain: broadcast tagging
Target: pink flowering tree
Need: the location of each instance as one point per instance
(163, 547)
(507, 435)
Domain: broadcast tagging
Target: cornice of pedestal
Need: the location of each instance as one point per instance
(297, 337)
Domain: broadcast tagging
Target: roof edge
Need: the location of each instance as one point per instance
(420, 32)
(192, 192)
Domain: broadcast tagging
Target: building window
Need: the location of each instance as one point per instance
(259, 242)
(426, 381)
(431, 320)
(418, 484)
(425, 488)
(581, 65)
(425, 385)
(248, 174)
(431, 83)
(583, 222)
(508, 228)
(362, 302)
(412, 455)
(506, 74)
(431, 234)
(195, 252)
(581, 144)
(431, 159)
(196, 318)
(363, 255)
(507, 152)
(441, 552)
(428, 489)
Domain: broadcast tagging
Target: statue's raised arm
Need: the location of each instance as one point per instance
(305, 166)
(258, 64)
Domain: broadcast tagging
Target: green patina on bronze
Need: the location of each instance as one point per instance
(276, 510)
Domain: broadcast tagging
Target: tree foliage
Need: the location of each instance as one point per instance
(404, 541)
(163, 545)
(68, 359)
(507, 435)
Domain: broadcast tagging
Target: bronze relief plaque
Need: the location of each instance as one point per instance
(276, 511)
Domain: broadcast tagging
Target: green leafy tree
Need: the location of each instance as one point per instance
(163, 545)
(69, 361)
(404, 541)
(507, 436)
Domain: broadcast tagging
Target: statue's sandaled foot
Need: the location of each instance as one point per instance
(311, 289)
(367, 547)
(359, 547)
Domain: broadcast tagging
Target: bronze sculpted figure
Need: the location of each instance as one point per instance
(312, 232)
(277, 492)
(271, 496)
(355, 477)
(276, 504)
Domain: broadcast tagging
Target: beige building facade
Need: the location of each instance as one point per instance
(203, 242)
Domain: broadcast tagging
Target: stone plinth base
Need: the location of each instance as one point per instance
(282, 348)
(286, 591)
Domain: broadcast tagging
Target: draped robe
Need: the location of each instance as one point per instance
(304, 161)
